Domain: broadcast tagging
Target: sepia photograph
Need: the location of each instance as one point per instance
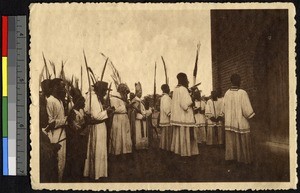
(162, 96)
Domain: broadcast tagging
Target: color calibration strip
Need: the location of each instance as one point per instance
(4, 94)
(14, 96)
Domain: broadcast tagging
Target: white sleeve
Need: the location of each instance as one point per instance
(96, 110)
(247, 109)
(52, 112)
(186, 99)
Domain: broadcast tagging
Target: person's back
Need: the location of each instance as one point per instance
(184, 139)
(237, 110)
(181, 111)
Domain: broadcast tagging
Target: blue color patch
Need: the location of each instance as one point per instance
(5, 155)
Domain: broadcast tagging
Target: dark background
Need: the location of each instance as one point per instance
(20, 7)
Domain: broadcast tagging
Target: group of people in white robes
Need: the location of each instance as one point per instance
(187, 120)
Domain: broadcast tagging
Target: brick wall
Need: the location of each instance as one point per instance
(253, 43)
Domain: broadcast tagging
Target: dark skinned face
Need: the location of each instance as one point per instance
(139, 95)
(59, 91)
(101, 93)
(167, 90)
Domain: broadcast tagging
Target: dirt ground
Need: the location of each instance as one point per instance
(156, 165)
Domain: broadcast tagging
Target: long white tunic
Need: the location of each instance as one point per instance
(181, 110)
(237, 109)
(96, 161)
(200, 118)
(55, 110)
(200, 122)
(141, 130)
(184, 139)
(165, 110)
(165, 113)
(215, 133)
(120, 136)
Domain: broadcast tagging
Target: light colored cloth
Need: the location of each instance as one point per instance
(55, 111)
(120, 136)
(141, 129)
(79, 118)
(215, 133)
(238, 147)
(200, 122)
(237, 109)
(165, 110)
(165, 113)
(181, 110)
(166, 138)
(184, 140)
(96, 161)
(200, 118)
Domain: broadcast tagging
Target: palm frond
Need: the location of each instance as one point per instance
(77, 83)
(89, 81)
(92, 75)
(81, 79)
(72, 80)
(46, 67)
(53, 68)
(62, 72)
(165, 68)
(41, 77)
(104, 67)
(115, 75)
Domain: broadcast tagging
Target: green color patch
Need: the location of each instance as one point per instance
(4, 116)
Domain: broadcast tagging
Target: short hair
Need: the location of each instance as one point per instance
(55, 82)
(181, 76)
(235, 79)
(165, 87)
(46, 86)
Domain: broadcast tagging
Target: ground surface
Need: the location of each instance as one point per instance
(155, 165)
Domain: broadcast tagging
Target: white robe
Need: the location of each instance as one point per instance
(165, 113)
(96, 161)
(184, 140)
(120, 136)
(214, 109)
(141, 135)
(237, 109)
(55, 110)
(200, 122)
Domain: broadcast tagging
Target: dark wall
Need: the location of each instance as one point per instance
(254, 43)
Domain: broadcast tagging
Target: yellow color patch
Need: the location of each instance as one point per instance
(4, 76)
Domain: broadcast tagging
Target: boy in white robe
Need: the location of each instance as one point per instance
(238, 110)
(199, 112)
(96, 162)
(213, 112)
(165, 113)
(184, 141)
